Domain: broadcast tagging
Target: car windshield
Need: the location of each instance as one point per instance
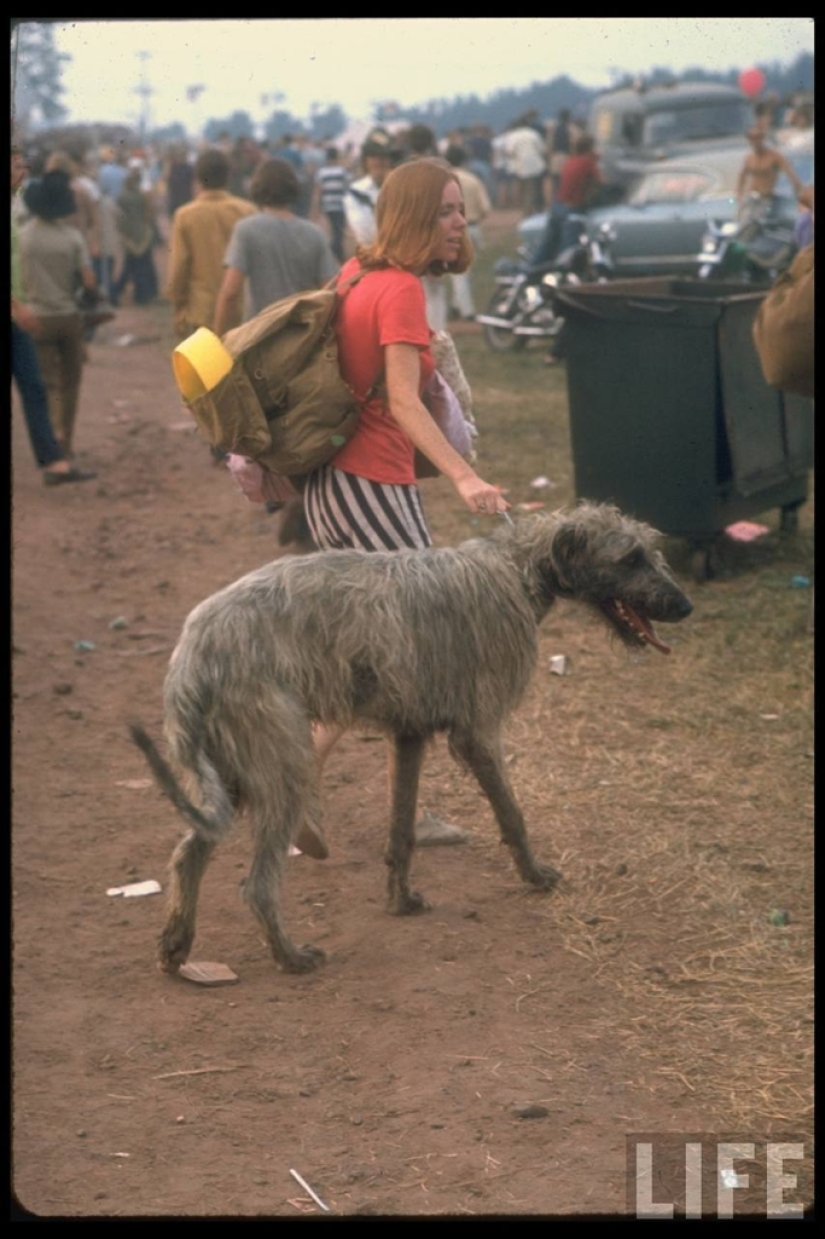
(674, 185)
(709, 120)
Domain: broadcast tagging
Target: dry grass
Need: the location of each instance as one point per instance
(676, 794)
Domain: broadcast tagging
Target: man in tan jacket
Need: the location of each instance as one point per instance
(200, 234)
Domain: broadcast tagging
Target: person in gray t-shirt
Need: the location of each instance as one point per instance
(275, 251)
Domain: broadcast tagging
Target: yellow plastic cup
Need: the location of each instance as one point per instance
(199, 363)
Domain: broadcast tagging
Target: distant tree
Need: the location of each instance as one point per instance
(175, 132)
(238, 125)
(330, 120)
(503, 106)
(280, 123)
(36, 70)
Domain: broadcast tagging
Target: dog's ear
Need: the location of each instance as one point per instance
(568, 548)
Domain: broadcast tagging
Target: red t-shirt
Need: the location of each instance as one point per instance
(385, 307)
(579, 180)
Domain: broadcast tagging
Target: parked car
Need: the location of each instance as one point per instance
(659, 230)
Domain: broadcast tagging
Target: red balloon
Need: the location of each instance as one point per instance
(751, 81)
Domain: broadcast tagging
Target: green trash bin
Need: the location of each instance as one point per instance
(670, 416)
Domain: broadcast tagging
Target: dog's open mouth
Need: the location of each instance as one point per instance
(631, 624)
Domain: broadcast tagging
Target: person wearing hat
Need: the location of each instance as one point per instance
(54, 263)
(25, 366)
(379, 155)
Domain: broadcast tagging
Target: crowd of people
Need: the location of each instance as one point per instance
(246, 222)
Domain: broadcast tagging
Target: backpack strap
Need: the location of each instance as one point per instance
(347, 285)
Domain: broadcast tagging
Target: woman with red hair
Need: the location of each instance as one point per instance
(367, 496)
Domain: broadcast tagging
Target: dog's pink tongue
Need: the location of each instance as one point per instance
(645, 629)
(651, 638)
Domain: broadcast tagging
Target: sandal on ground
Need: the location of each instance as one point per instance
(51, 477)
(312, 842)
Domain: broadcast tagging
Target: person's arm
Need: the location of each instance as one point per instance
(88, 278)
(25, 318)
(177, 279)
(744, 173)
(90, 215)
(402, 365)
(228, 306)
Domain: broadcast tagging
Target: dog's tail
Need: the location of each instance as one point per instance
(212, 824)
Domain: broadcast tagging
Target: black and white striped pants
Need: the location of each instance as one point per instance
(347, 512)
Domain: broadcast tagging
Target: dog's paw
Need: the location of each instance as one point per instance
(543, 877)
(409, 904)
(304, 959)
(174, 947)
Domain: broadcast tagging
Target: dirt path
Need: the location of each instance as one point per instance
(391, 1079)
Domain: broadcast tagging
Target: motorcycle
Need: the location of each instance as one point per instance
(753, 249)
(521, 307)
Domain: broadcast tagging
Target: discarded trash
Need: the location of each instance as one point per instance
(532, 1112)
(532, 506)
(541, 482)
(431, 831)
(559, 664)
(769, 718)
(203, 973)
(778, 916)
(800, 582)
(120, 622)
(84, 647)
(293, 851)
(307, 1188)
(134, 785)
(746, 531)
(136, 889)
(125, 341)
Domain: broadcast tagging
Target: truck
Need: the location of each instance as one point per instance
(634, 126)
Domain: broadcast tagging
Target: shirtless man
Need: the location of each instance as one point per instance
(761, 169)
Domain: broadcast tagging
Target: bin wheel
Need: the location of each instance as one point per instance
(789, 519)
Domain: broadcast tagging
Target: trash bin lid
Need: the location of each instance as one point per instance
(683, 302)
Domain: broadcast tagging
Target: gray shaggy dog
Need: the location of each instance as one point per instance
(409, 642)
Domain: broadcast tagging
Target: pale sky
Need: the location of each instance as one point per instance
(356, 62)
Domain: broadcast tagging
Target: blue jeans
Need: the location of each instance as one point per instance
(559, 233)
(25, 370)
(337, 225)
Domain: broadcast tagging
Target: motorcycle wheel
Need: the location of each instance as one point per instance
(499, 339)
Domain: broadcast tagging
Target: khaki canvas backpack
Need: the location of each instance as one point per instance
(272, 390)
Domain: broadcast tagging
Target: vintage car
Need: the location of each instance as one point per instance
(637, 126)
(659, 229)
